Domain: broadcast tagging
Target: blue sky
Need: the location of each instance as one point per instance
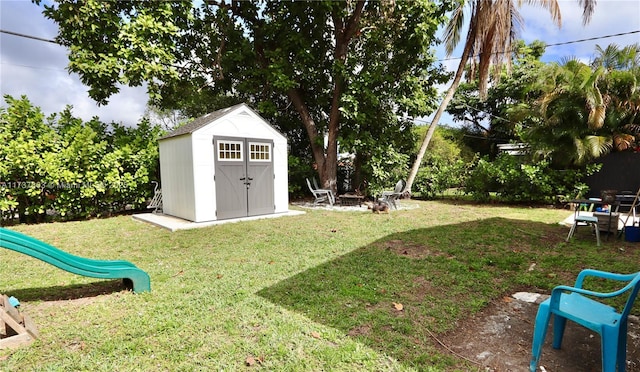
(38, 69)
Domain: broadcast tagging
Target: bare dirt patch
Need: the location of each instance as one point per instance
(362, 330)
(499, 339)
(42, 300)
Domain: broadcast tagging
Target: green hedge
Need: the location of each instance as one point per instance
(511, 179)
(63, 168)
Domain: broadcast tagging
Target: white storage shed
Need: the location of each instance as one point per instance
(230, 163)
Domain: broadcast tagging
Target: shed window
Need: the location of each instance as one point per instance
(230, 150)
(259, 151)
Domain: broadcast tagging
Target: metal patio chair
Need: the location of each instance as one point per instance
(321, 195)
(156, 201)
(390, 197)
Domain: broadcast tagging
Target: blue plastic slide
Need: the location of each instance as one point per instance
(77, 265)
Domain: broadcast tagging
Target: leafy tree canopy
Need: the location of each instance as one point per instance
(494, 120)
(585, 111)
(315, 68)
(568, 112)
(493, 28)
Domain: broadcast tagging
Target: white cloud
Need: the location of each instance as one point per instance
(37, 69)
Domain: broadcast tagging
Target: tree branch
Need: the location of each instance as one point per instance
(310, 126)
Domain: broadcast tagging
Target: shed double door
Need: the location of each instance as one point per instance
(243, 177)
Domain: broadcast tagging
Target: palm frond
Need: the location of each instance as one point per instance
(596, 117)
(631, 128)
(623, 141)
(453, 28)
(588, 7)
(590, 147)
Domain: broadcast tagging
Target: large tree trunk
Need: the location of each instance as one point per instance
(329, 173)
(316, 140)
(344, 33)
(327, 159)
(327, 162)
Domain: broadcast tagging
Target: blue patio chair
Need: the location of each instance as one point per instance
(585, 221)
(580, 305)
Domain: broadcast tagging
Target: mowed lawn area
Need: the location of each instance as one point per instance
(326, 290)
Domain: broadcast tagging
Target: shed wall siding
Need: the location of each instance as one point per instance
(281, 176)
(177, 177)
(204, 185)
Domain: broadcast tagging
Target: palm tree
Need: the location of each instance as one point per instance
(615, 58)
(493, 27)
(586, 111)
(572, 110)
(621, 87)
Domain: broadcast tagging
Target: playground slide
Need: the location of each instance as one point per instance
(103, 269)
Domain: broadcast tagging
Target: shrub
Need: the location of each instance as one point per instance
(513, 180)
(438, 176)
(65, 169)
(385, 169)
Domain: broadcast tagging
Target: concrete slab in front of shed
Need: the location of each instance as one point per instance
(174, 223)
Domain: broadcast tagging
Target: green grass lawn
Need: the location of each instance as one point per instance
(319, 291)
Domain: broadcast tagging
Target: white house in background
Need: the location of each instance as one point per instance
(514, 148)
(230, 163)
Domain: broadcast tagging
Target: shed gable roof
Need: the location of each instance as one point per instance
(203, 121)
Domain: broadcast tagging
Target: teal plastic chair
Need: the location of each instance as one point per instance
(580, 305)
